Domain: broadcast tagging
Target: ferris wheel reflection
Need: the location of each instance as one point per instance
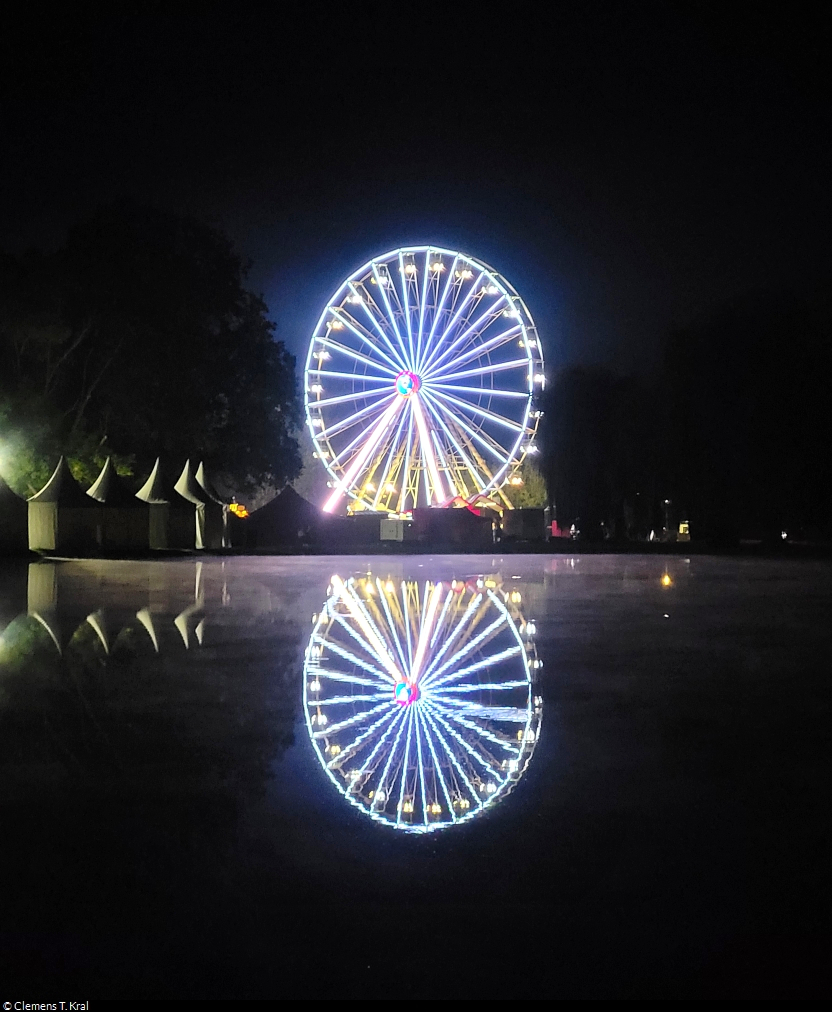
(420, 697)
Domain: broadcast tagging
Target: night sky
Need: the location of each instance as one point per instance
(625, 166)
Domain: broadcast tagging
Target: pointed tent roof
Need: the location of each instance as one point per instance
(287, 509)
(110, 488)
(156, 489)
(63, 489)
(207, 485)
(189, 488)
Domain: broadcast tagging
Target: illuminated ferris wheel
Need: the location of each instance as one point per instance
(419, 697)
(421, 380)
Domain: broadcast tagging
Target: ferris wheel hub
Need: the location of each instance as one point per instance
(406, 692)
(407, 383)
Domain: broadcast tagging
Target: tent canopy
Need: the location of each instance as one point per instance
(110, 489)
(63, 490)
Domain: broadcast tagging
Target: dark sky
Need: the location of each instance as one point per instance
(624, 165)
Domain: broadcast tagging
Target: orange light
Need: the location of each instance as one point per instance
(666, 580)
(238, 510)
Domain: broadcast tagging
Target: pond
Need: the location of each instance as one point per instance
(452, 777)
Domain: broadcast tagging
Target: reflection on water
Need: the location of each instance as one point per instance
(420, 698)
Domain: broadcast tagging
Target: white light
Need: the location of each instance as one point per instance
(531, 628)
(539, 378)
(316, 388)
(389, 487)
(437, 267)
(337, 325)
(315, 686)
(356, 300)
(464, 273)
(531, 448)
(317, 422)
(492, 290)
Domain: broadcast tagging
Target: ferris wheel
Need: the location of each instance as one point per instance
(421, 382)
(419, 697)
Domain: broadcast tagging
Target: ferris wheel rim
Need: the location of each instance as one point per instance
(528, 737)
(388, 358)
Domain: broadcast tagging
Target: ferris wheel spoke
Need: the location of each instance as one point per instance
(427, 451)
(386, 477)
(347, 423)
(473, 604)
(477, 666)
(405, 761)
(354, 634)
(426, 280)
(490, 763)
(438, 369)
(463, 652)
(425, 629)
(407, 458)
(489, 368)
(484, 686)
(471, 332)
(353, 377)
(362, 619)
(464, 304)
(391, 316)
(443, 462)
(484, 758)
(348, 655)
(479, 482)
(380, 322)
(349, 751)
(484, 412)
(421, 765)
(342, 700)
(503, 714)
(340, 676)
(436, 764)
(450, 754)
(357, 355)
(441, 620)
(327, 402)
(333, 729)
(398, 719)
(437, 312)
(364, 335)
(392, 625)
(490, 444)
(379, 640)
(374, 437)
(481, 391)
(382, 784)
(406, 307)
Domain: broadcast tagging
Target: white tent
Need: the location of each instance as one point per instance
(209, 513)
(13, 521)
(170, 517)
(61, 516)
(122, 518)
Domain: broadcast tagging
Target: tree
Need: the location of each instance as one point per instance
(139, 337)
(532, 491)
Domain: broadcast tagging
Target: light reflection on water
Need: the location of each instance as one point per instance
(419, 696)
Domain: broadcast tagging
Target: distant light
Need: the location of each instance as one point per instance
(437, 267)
(466, 273)
(410, 268)
(784, 534)
(531, 628)
(492, 290)
(337, 325)
(666, 580)
(356, 300)
(389, 487)
(516, 480)
(370, 487)
(540, 378)
(390, 587)
(316, 388)
(315, 686)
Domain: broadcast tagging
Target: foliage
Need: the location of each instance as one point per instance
(139, 338)
(532, 493)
